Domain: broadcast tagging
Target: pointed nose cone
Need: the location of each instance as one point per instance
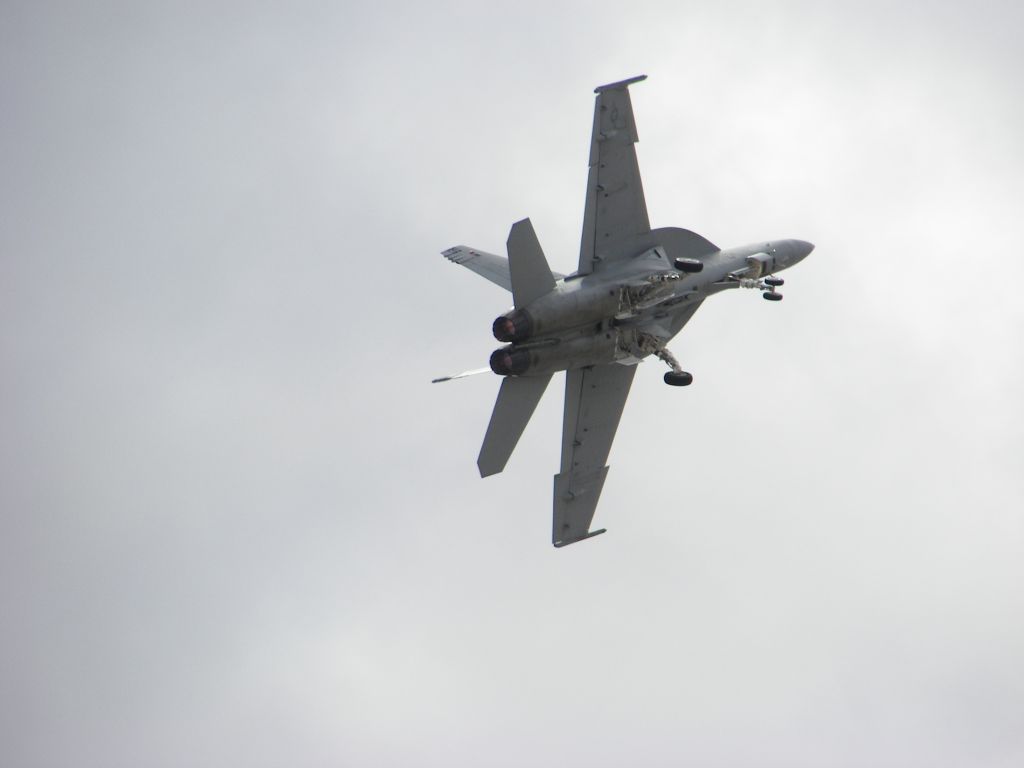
(794, 251)
(801, 248)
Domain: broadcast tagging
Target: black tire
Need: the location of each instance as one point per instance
(690, 266)
(772, 296)
(678, 379)
(775, 282)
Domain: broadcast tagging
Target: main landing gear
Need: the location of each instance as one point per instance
(651, 345)
(677, 377)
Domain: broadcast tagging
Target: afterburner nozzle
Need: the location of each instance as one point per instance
(509, 361)
(515, 326)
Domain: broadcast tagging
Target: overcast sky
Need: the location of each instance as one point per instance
(238, 526)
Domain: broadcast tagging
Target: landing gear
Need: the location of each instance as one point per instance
(772, 283)
(689, 266)
(766, 284)
(652, 345)
(678, 378)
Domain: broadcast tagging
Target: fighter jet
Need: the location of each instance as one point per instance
(634, 289)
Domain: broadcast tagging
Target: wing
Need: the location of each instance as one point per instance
(615, 208)
(677, 323)
(594, 399)
(488, 265)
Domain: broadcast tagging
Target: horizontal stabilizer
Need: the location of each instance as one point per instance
(517, 400)
(487, 265)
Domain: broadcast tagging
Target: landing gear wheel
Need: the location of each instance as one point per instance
(772, 296)
(678, 378)
(688, 265)
(774, 282)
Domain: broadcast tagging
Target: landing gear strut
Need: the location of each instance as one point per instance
(765, 284)
(677, 377)
(651, 345)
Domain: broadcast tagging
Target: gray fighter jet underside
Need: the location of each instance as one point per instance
(634, 289)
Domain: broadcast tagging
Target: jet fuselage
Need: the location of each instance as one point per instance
(625, 313)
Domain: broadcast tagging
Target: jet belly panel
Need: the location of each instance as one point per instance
(558, 354)
(572, 305)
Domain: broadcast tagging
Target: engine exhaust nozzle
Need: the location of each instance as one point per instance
(515, 326)
(509, 361)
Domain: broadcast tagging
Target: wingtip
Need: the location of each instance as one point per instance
(592, 534)
(620, 84)
(487, 470)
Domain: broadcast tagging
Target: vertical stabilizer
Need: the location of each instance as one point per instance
(517, 400)
(531, 276)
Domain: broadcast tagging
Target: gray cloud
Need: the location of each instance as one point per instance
(238, 527)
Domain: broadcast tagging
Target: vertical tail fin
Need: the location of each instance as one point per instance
(531, 276)
(517, 400)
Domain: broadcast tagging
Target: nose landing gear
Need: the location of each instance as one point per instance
(772, 283)
(765, 284)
